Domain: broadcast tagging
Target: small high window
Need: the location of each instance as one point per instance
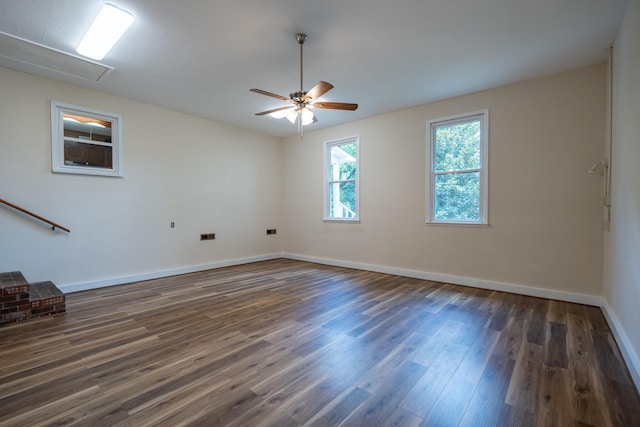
(341, 180)
(85, 141)
(457, 156)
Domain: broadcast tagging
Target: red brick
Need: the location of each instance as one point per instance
(13, 290)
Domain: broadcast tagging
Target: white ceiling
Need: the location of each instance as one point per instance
(202, 57)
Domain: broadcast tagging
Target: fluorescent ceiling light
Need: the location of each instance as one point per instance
(97, 125)
(86, 120)
(106, 30)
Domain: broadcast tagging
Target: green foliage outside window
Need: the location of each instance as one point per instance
(342, 188)
(456, 178)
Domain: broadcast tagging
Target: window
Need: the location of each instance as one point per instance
(85, 141)
(457, 156)
(341, 180)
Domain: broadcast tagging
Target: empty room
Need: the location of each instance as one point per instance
(312, 213)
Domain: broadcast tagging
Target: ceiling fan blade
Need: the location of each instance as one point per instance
(273, 95)
(336, 106)
(318, 90)
(263, 113)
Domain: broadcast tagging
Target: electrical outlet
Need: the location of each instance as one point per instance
(173, 224)
(209, 236)
(271, 231)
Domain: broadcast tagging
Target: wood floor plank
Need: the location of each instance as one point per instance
(431, 349)
(428, 388)
(556, 345)
(473, 322)
(513, 333)
(380, 370)
(402, 418)
(55, 412)
(623, 403)
(524, 387)
(500, 315)
(588, 403)
(487, 402)
(451, 404)
(475, 361)
(537, 319)
(315, 399)
(342, 409)
(557, 312)
(555, 398)
(166, 403)
(385, 401)
(290, 343)
(609, 357)
(517, 417)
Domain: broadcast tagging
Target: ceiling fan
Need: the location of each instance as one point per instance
(303, 101)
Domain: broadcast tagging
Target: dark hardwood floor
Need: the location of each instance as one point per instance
(288, 343)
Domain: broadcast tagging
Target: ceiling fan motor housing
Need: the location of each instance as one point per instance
(298, 97)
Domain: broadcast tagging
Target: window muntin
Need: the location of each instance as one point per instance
(457, 157)
(85, 141)
(342, 180)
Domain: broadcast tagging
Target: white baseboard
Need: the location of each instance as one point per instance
(628, 353)
(417, 274)
(459, 280)
(164, 273)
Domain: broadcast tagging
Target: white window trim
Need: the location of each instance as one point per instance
(484, 169)
(57, 140)
(327, 158)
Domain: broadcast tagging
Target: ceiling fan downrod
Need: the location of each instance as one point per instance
(301, 38)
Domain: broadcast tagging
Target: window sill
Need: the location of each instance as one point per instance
(460, 224)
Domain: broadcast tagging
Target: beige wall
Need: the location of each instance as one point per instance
(544, 209)
(622, 244)
(208, 177)
(204, 176)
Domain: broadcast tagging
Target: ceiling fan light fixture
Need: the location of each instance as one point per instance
(292, 116)
(307, 116)
(279, 114)
(104, 32)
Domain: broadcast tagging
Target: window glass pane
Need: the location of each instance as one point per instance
(457, 146)
(343, 162)
(85, 127)
(80, 154)
(341, 180)
(457, 197)
(342, 199)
